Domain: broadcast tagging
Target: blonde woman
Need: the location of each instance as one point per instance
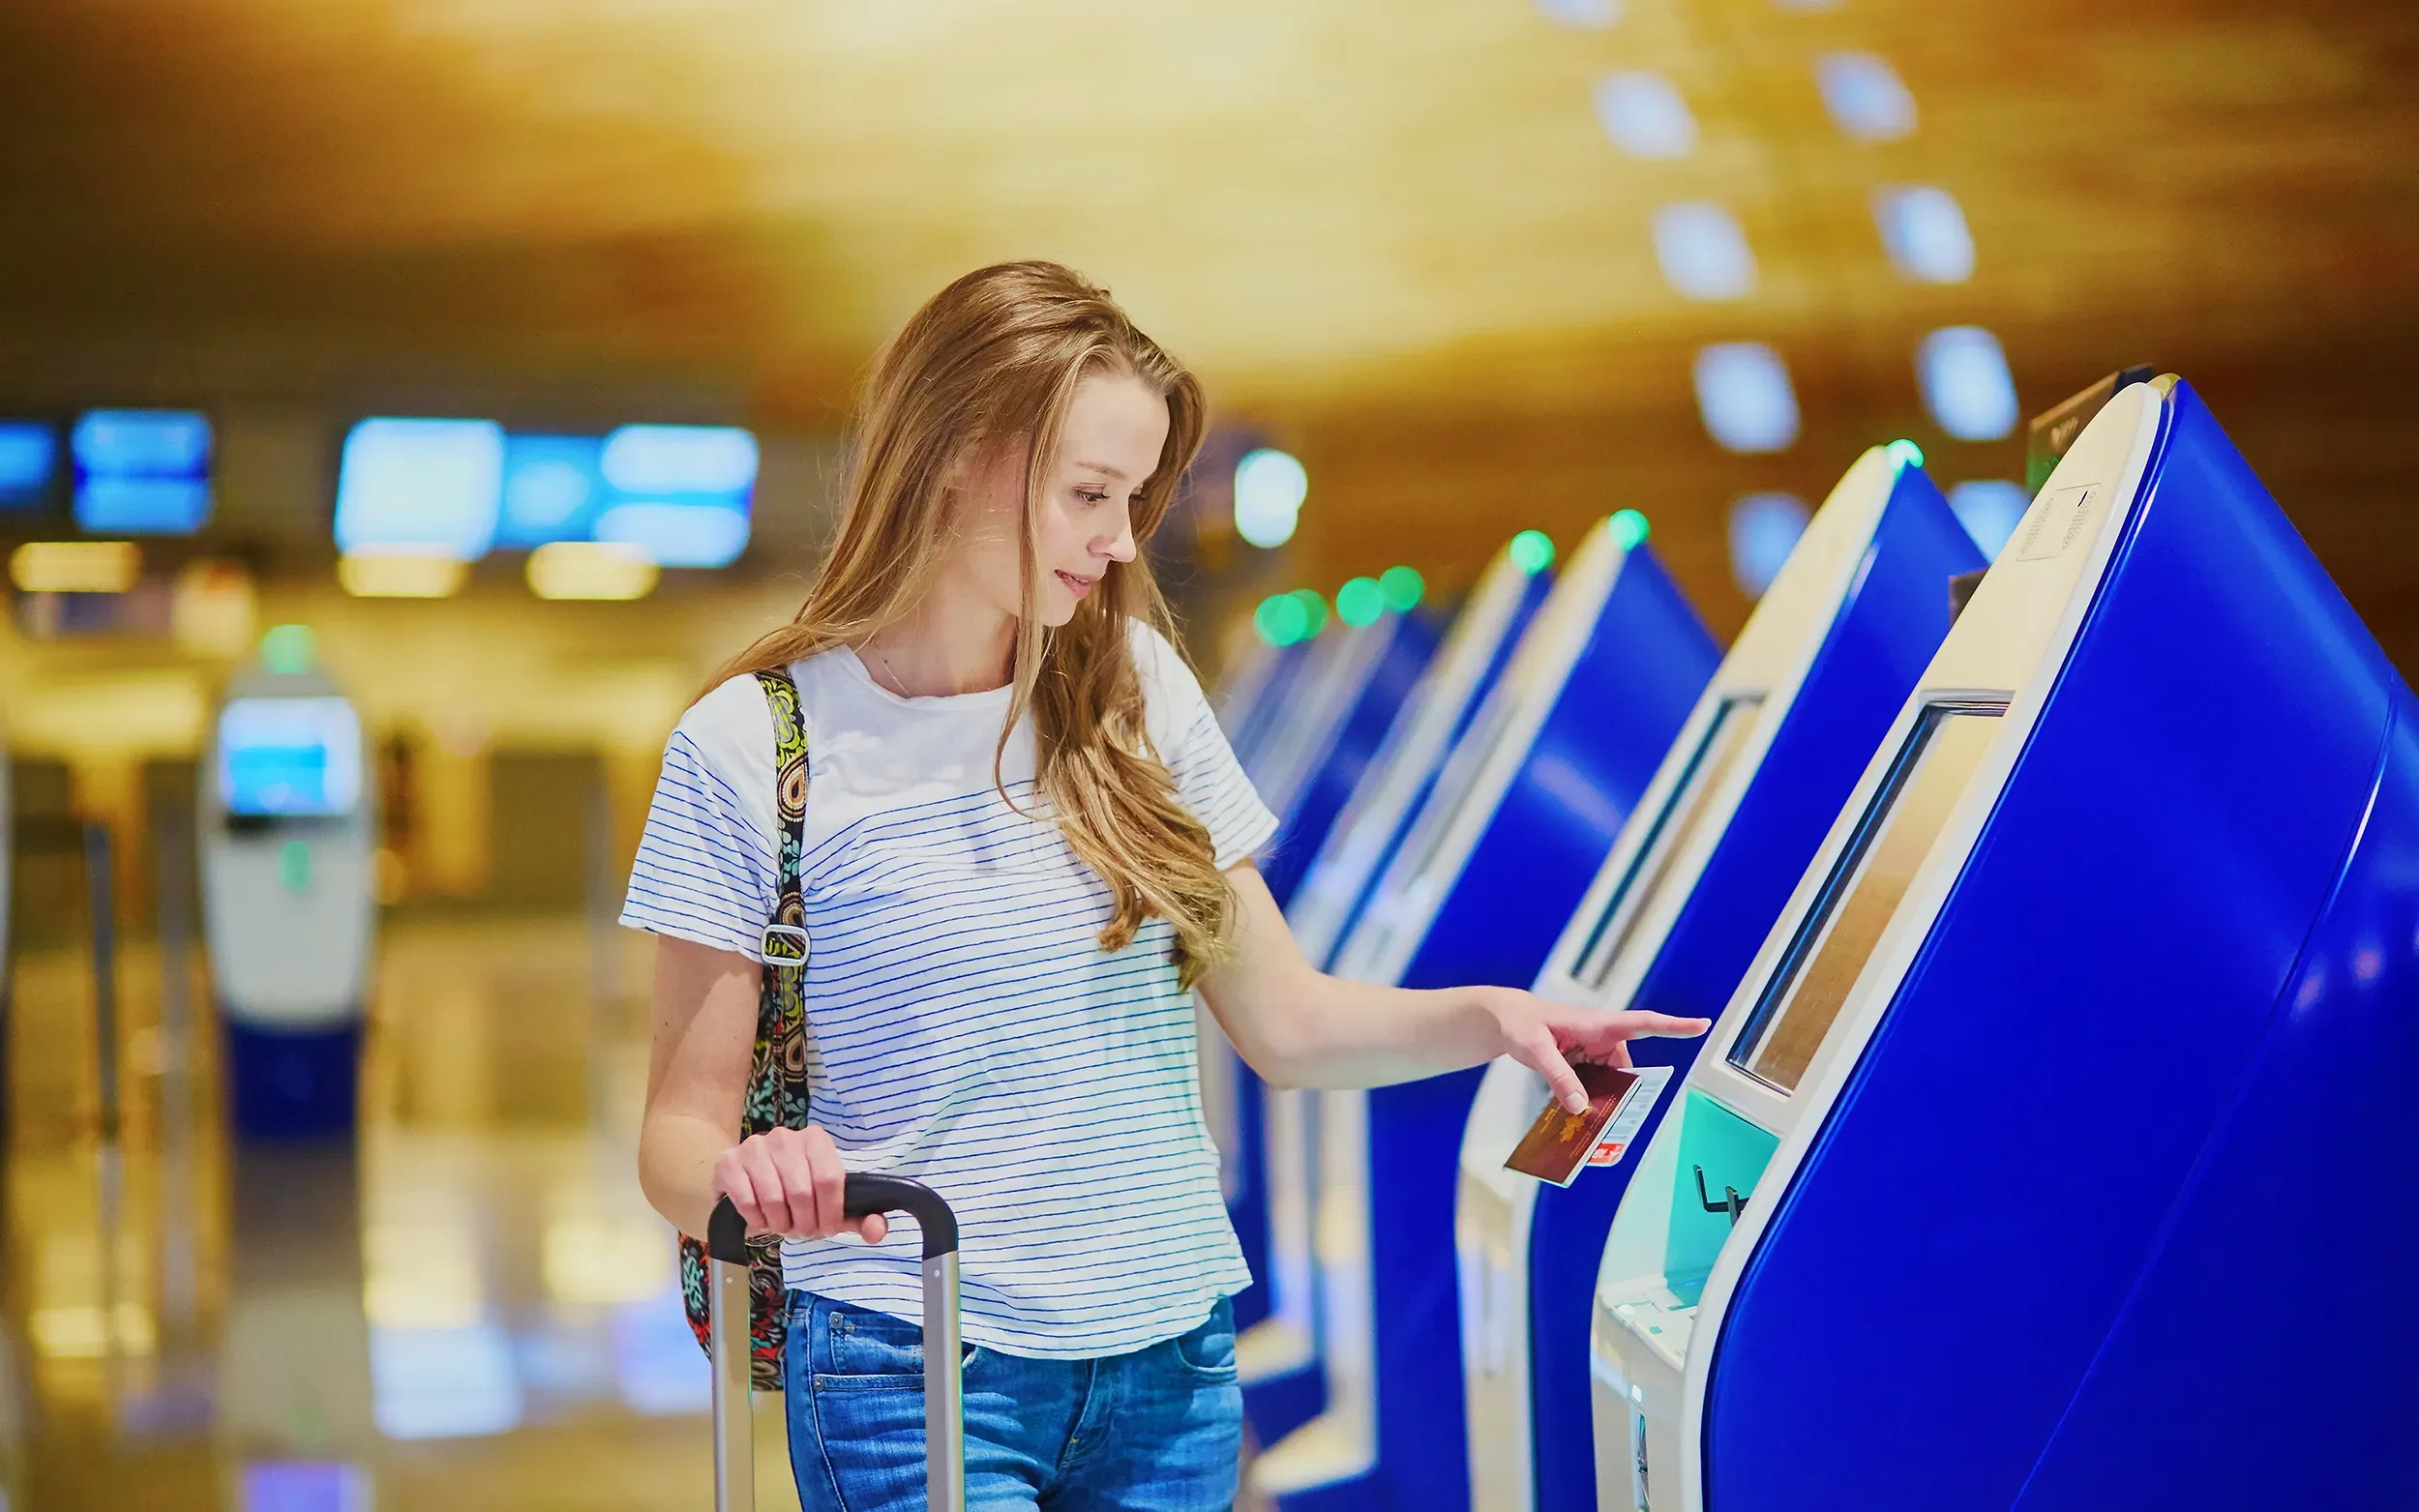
(1024, 838)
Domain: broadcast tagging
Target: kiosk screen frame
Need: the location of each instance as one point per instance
(1650, 867)
(287, 758)
(1862, 890)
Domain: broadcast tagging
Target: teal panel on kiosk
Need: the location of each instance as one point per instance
(1774, 744)
(1521, 819)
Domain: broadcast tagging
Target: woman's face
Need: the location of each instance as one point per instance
(1084, 517)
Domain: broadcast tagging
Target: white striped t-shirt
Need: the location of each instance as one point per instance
(966, 1029)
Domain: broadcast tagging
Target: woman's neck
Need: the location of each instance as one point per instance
(951, 642)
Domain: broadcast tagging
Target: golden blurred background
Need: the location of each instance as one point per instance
(1461, 257)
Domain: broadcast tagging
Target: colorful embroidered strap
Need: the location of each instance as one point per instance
(776, 1097)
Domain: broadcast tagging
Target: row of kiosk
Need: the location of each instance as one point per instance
(2058, 919)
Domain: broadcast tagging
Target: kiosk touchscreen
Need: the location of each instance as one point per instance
(2046, 1156)
(1520, 818)
(1742, 801)
(288, 850)
(1282, 1388)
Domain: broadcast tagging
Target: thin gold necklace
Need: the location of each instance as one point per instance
(896, 685)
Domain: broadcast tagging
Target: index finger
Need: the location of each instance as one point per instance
(1633, 1025)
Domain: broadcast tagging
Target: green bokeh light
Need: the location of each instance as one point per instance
(1403, 588)
(1532, 550)
(289, 649)
(1629, 528)
(1359, 602)
(1314, 610)
(1281, 620)
(1905, 453)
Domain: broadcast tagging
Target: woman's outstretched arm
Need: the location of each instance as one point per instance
(1298, 1027)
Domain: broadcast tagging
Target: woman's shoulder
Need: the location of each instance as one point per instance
(730, 731)
(1162, 666)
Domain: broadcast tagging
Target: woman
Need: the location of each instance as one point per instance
(1025, 839)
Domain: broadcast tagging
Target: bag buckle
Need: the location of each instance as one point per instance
(785, 946)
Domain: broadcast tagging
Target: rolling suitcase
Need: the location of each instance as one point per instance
(726, 1297)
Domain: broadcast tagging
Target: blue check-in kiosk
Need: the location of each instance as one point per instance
(2051, 1153)
(289, 843)
(1744, 797)
(1519, 822)
(1341, 701)
(1282, 1386)
(1248, 698)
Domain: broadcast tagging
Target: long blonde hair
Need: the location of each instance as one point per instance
(994, 360)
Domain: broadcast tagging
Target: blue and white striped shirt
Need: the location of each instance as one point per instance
(966, 1029)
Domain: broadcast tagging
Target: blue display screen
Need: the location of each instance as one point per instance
(553, 489)
(290, 758)
(431, 485)
(29, 456)
(141, 471)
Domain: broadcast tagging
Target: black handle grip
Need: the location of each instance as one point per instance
(727, 1232)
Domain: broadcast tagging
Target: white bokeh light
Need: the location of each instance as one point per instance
(1269, 486)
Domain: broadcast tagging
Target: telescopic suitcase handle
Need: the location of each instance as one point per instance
(944, 1387)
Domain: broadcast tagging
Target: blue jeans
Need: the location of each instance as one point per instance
(1158, 1430)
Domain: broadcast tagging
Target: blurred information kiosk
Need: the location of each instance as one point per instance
(288, 849)
(1521, 819)
(1282, 1387)
(1743, 799)
(2051, 1153)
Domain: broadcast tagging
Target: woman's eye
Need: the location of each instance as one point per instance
(1092, 495)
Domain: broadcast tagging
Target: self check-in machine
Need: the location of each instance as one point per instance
(1282, 1386)
(1743, 798)
(1521, 819)
(2048, 1155)
(1343, 699)
(289, 846)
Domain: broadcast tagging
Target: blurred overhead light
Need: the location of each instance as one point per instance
(1990, 509)
(1628, 529)
(75, 566)
(552, 486)
(1965, 383)
(29, 454)
(1864, 96)
(1704, 253)
(1270, 488)
(1403, 587)
(665, 459)
(431, 486)
(1582, 12)
(1645, 116)
(1764, 529)
(141, 471)
(442, 1383)
(1743, 391)
(590, 570)
(677, 534)
(289, 649)
(1531, 551)
(1904, 452)
(1281, 619)
(1314, 610)
(212, 608)
(1925, 233)
(406, 573)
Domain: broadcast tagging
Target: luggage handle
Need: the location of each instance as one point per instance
(945, 1385)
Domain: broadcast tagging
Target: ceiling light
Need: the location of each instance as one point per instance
(590, 570)
(1924, 231)
(1645, 116)
(430, 487)
(1703, 251)
(1360, 602)
(401, 573)
(1990, 509)
(1966, 385)
(1764, 529)
(1281, 620)
(1628, 528)
(1269, 486)
(1403, 587)
(75, 566)
(1743, 392)
(1531, 551)
(1864, 96)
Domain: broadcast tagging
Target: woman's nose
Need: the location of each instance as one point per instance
(1118, 547)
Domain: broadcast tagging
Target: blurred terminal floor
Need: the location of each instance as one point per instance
(473, 1309)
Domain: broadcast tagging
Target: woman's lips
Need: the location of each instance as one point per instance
(1077, 586)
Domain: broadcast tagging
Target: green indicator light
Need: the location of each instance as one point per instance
(1531, 551)
(1314, 610)
(1905, 453)
(1629, 528)
(293, 864)
(1359, 602)
(289, 649)
(1402, 587)
(1281, 620)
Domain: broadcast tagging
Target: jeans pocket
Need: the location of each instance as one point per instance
(1209, 1349)
(865, 1351)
